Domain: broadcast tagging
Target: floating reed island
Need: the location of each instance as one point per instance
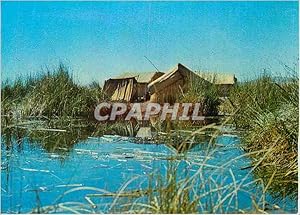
(264, 111)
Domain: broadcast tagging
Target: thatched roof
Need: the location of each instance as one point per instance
(218, 78)
(129, 86)
(178, 73)
(145, 77)
(168, 75)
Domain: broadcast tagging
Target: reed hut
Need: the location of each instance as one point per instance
(130, 87)
(224, 82)
(167, 87)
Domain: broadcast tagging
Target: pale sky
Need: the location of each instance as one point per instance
(98, 40)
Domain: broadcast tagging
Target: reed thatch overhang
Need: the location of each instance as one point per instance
(130, 86)
(145, 77)
(167, 87)
(179, 73)
(164, 87)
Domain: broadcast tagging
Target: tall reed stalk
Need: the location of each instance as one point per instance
(267, 111)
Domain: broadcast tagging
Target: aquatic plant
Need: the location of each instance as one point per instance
(52, 94)
(123, 128)
(267, 111)
(187, 186)
(201, 91)
(270, 119)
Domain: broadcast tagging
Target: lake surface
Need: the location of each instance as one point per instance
(33, 177)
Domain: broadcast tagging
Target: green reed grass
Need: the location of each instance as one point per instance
(201, 91)
(267, 111)
(52, 94)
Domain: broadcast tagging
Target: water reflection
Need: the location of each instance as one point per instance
(39, 166)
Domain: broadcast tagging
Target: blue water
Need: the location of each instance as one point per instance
(34, 178)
